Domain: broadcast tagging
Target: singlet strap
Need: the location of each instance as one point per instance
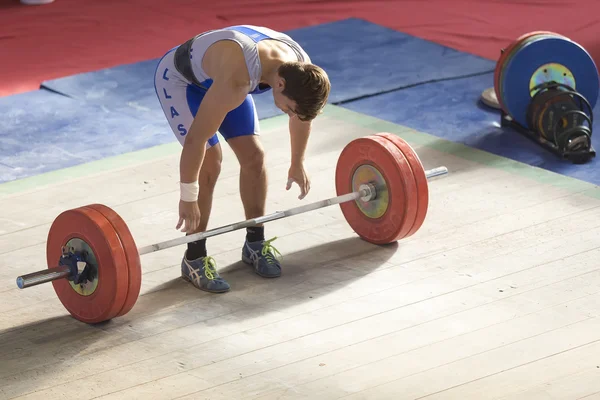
(183, 64)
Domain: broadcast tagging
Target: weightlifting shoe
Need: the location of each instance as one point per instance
(202, 273)
(261, 256)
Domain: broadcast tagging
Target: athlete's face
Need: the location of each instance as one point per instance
(283, 102)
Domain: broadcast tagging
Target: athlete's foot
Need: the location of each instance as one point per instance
(202, 273)
(261, 256)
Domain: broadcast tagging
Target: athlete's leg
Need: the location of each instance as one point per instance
(240, 128)
(209, 173)
(180, 101)
(253, 174)
(211, 166)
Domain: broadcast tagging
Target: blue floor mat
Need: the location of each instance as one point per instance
(451, 110)
(90, 116)
(360, 57)
(41, 131)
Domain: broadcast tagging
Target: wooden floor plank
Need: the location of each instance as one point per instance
(381, 301)
(503, 276)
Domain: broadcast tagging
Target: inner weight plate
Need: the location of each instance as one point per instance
(88, 288)
(525, 63)
(369, 174)
(551, 72)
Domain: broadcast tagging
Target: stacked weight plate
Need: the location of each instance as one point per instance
(546, 86)
(540, 57)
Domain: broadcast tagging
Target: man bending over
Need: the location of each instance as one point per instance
(206, 85)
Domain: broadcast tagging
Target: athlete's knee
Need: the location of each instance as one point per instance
(208, 176)
(252, 159)
(210, 171)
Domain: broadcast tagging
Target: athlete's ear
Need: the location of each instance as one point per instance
(280, 84)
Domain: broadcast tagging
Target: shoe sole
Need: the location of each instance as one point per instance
(185, 278)
(250, 263)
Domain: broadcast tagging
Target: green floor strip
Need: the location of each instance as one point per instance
(93, 167)
(412, 136)
(468, 153)
(110, 163)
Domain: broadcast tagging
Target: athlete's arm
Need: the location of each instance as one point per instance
(299, 133)
(223, 96)
(230, 87)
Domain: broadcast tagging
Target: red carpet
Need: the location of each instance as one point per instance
(71, 36)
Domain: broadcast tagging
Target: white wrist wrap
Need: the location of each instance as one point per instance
(189, 191)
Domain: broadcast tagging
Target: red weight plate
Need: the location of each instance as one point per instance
(108, 297)
(131, 253)
(422, 191)
(505, 55)
(400, 210)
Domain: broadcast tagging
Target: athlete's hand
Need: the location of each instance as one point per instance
(297, 174)
(189, 212)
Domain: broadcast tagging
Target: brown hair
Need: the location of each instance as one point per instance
(307, 85)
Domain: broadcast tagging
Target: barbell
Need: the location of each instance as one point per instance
(94, 264)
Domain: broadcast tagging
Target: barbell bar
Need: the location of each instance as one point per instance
(366, 193)
(382, 189)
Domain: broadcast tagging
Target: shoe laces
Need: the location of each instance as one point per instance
(210, 269)
(268, 250)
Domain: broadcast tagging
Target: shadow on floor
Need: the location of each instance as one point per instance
(63, 343)
(321, 268)
(57, 341)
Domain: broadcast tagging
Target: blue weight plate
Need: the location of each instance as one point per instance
(543, 60)
(507, 53)
(518, 45)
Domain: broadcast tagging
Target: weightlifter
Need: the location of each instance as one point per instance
(206, 85)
